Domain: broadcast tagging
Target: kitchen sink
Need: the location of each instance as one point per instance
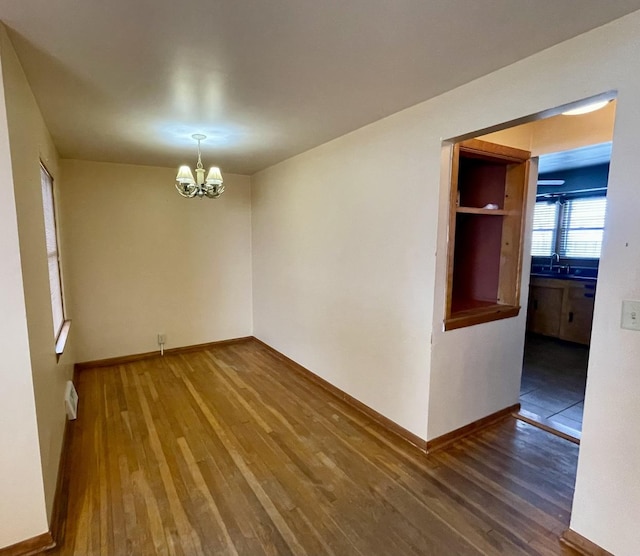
(558, 276)
(564, 272)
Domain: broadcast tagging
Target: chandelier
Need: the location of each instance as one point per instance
(199, 187)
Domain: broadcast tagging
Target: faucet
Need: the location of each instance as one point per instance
(554, 257)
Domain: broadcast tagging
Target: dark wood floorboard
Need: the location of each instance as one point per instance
(231, 451)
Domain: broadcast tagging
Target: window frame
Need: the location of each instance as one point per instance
(60, 330)
(563, 201)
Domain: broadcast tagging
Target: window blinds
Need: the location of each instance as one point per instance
(55, 284)
(579, 232)
(545, 219)
(582, 227)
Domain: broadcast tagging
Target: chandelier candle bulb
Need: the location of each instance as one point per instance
(189, 187)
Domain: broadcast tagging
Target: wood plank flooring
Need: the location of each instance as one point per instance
(231, 451)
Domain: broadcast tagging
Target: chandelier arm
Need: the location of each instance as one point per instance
(188, 192)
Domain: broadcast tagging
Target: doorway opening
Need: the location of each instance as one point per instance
(563, 227)
(565, 235)
(568, 228)
(507, 232)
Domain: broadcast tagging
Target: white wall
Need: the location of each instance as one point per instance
(22, 503)
(31, 143)
(345, 237)
(607, 498)
(477, 394)
(143, 260)
(343, 278)
(475, 371)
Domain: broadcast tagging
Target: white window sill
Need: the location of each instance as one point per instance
(61, 342)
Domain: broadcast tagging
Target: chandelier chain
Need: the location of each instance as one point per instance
(199, 164)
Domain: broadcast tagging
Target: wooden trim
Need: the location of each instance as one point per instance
(34, 545)
(385, 422)
(480, 315)
(549, 425)
(513, 232)
(151, 354)
(485, 149)
(582, 545)
(451, 231)
(471, 428)
(61, 497)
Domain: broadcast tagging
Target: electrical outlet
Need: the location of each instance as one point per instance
(161, 339)
(630, 315)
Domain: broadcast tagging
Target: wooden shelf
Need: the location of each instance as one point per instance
(483, 211)
(485, 252)
(486, 313)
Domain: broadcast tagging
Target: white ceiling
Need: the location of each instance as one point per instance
(131, 80)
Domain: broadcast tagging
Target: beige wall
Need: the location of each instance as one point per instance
(349, 273)
(475, 371)
(343, 264)
(497, 388)
(559, 133)
(31, 143)
(143, 260)
(22, 502)
(347, 279)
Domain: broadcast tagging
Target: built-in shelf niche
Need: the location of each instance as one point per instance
(488, 194)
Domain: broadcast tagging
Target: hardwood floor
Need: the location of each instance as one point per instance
(231, 451)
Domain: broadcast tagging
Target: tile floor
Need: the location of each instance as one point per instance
(554, 376)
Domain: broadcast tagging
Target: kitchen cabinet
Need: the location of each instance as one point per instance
(544, 310)
(578, 313)
(561, 308)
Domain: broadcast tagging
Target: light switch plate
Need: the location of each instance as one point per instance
(71, 401)
(631, 315)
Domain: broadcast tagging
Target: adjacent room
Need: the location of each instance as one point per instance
(569, 213)
(568, 229)
(270, 274)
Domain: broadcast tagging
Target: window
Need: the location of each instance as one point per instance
(545, 221)
(571, 227)
(582, 228)
(55, 283)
